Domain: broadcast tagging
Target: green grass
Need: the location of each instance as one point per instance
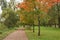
(47, 33)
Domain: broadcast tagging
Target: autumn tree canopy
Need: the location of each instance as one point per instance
(44, 5)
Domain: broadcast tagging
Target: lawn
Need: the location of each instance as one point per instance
(47, 33)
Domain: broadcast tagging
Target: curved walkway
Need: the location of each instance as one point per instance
(17, 35)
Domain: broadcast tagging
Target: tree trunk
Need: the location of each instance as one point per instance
(24, 25)
(55, 25)
(59, 22)
(38, 25)
(33, 28)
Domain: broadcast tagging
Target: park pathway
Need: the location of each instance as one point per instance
(17, 35)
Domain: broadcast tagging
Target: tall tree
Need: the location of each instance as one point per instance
(26, 6)
(54, 13)
(10, 17)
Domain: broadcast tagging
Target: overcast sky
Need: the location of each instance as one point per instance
(0, 10)
(18, 1)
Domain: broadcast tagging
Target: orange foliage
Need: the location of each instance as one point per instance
(45, 5)
(26, 6)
